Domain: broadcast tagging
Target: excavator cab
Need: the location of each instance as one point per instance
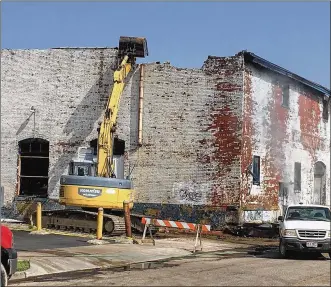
(135, 47)
(84, 164)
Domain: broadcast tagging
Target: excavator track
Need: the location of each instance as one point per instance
(82, 221)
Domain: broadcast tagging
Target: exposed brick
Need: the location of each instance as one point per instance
(225, 125)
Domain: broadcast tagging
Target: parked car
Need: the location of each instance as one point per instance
(8, 255)
(304, 228)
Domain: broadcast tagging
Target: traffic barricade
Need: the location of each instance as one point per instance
(152, 222)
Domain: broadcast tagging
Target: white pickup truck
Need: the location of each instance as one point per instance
(304, 228)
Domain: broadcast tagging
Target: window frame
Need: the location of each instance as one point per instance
(286, 90)
(256, 164)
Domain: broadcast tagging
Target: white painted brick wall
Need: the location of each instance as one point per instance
(292, 147)
(174, 115)
(67, 87)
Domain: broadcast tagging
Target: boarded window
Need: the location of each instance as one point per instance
(285, 95)
(256, 170)
(297, 176)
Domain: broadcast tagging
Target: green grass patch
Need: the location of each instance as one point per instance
(23, 265)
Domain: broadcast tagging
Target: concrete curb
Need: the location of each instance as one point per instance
(18, 276)
(27, 273)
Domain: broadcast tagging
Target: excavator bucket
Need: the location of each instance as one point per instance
(133, 46)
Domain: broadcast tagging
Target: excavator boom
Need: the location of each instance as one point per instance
(129, 49)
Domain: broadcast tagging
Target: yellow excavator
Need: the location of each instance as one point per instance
(93, 183)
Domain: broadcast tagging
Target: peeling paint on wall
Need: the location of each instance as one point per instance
(226, 121)
(275, 161)
(281, 137)
(310, 119)
(248, 133)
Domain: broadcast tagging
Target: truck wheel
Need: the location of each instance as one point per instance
(4, 277)
(282, 250)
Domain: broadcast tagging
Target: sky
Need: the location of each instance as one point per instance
(293, 35)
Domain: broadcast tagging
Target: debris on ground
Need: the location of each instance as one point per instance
(98, 242)
(111, 240)
(39, 232)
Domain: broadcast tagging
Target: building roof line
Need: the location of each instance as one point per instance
(249, 56)
(80, 48)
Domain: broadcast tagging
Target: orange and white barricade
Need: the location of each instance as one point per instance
(148, 222)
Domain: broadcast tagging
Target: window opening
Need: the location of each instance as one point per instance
(33, 161)
(256, 170)
(325, 110)
(285, 95)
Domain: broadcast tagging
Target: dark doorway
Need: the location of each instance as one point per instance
(319, 195)
(33, 164)
(119, 147)
(94, 145)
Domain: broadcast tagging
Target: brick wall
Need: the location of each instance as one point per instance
(191, 133)
(68, 88)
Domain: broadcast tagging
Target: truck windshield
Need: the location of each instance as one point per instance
(308, 213)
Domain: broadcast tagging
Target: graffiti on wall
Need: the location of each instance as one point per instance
(189, 193)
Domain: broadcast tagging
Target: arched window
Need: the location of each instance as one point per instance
(33, 164)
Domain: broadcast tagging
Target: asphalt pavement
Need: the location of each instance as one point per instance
(24, 241)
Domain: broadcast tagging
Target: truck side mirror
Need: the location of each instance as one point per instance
(280, 218)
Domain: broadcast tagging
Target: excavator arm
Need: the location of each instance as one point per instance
(108, 125)
(129, 48)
